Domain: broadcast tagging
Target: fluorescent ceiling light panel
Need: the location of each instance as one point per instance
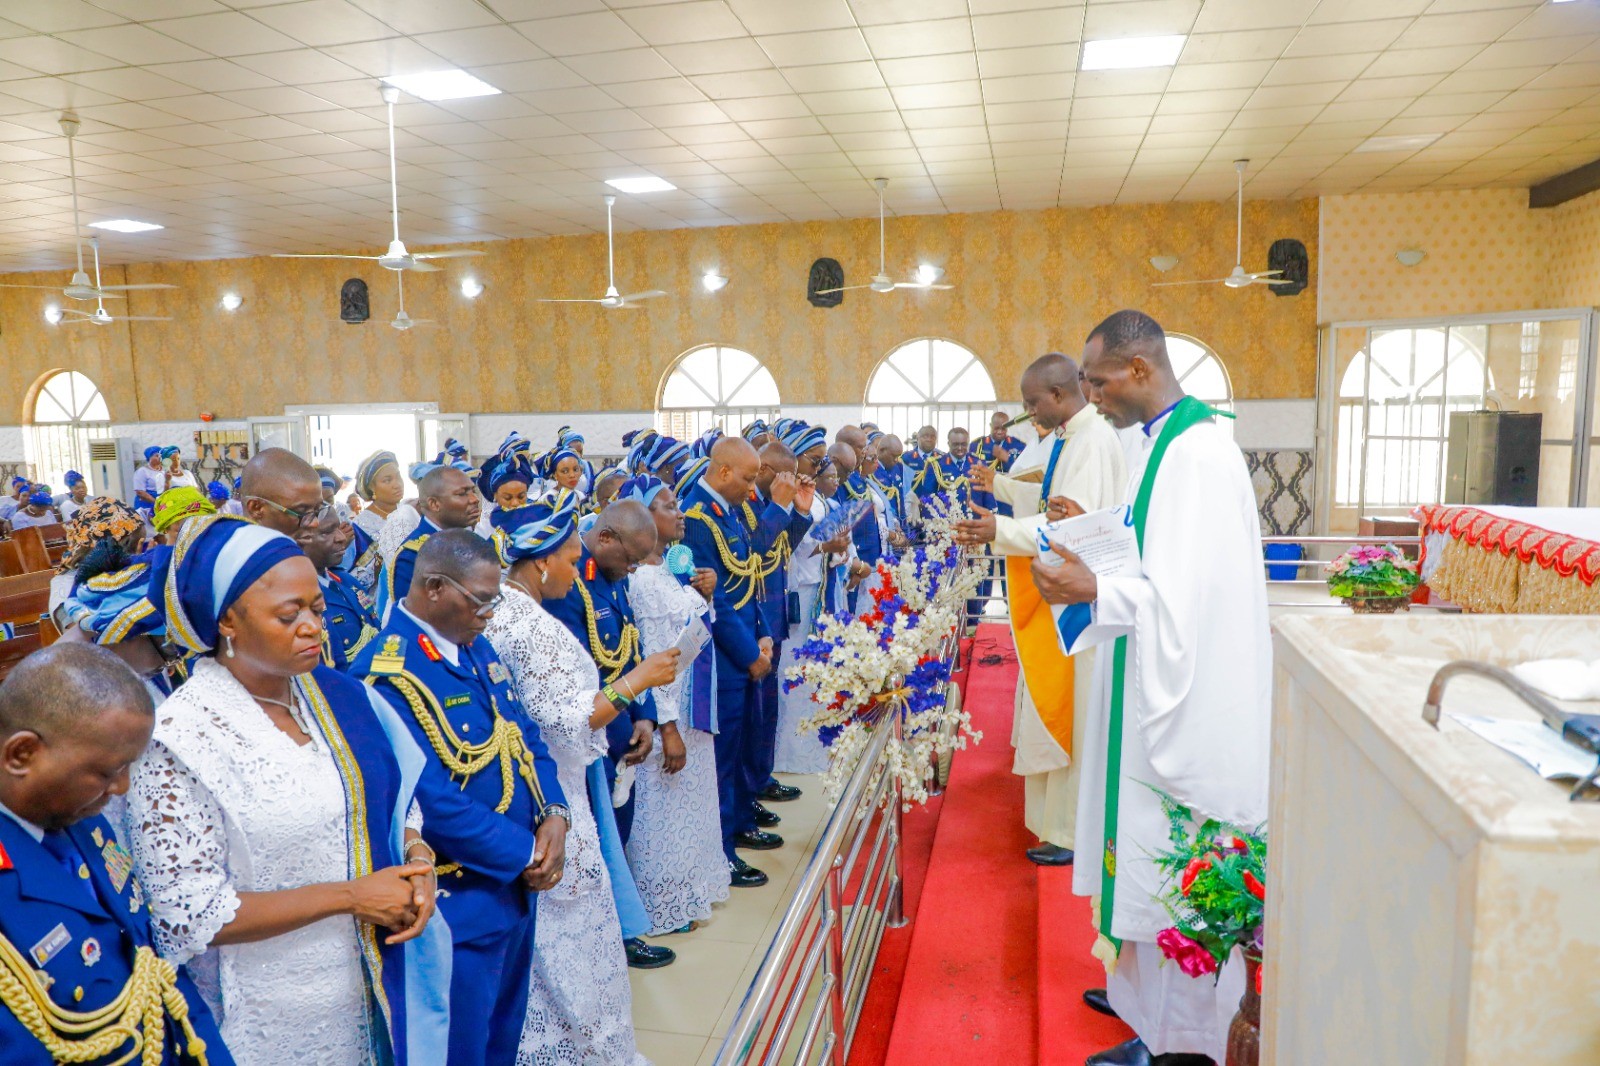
(648, 183)
(1398, 142)
(126, 225)
(1129, 53)
(442, 85)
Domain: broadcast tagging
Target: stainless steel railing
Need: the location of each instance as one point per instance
(803, 1004)
(1302, 592)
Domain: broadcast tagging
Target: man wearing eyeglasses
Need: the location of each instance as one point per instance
(447, 499)
(458, 699)
(281, 491)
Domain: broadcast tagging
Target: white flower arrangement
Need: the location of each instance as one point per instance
(894, 658)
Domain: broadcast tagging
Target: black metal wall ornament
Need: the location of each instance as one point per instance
(825, 274)
(1289, 256)
(353, 302)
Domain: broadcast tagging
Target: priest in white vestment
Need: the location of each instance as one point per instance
(1081, 459)
(1196, 692)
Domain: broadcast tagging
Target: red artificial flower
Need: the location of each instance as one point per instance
(1191, 957)
(1253, 885)
(1259, 968)
(1234, 844)
(1193, 871)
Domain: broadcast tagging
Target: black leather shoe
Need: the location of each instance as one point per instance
(1095, 999)
(1050, 855)
(1134, 1053)
(642, 956)
(757, 840)
(776, 793)
(765, 818)
(742, 875)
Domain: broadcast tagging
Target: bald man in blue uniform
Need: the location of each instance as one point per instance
(74, 927)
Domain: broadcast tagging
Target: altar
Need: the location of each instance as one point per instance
(1512, 560)
(1431, 901)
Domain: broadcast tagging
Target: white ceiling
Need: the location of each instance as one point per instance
(253, 126)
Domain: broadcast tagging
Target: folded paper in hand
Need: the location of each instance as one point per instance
(1107, 544)
(1034, 475)
(845, 517)
(690, 642)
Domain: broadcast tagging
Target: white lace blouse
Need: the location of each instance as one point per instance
(663, 606)
(397, 529)
(557, 682)
(225, 802)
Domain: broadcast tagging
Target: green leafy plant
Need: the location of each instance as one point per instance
(1368, 571)
(1214, 888)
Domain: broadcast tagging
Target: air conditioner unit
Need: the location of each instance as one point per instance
(111, 468)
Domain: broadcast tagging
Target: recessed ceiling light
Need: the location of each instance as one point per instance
(1128, 53)
(52, 314)
(232, 301)
(1398, 142)
(712, 281)
(442, 85)
(471, 288)
(126, 225)
(647, 183)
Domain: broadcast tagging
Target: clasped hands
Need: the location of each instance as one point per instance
(971, 532)
(763, 664)
(549, 855)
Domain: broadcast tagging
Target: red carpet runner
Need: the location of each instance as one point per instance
(968, 979)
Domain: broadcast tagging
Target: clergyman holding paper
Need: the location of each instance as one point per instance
(1081, 460)
(1186, 685)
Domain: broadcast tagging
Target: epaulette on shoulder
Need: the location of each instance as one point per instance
(416, 543)
(390, 660)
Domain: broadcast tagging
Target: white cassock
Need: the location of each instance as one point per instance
(1093, 472)
(1196, 721)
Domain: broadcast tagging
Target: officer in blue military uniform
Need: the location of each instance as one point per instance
(777, 518)
(448, 499)
(74, 929)
(922, 462)
(853, 488)
(455, 694)
(347, 625)
(715, 531)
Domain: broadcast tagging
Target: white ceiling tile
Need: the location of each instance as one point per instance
(208, 75)
(481, 45)
(1114, 107)
(920, 38)
(1477, 27)
(1022, 29)
(1044, 59)
(1314, 69)
(940, 94)
(673, 90)
(1200, 76)
(926, 70)
(742, 84)
(1121, 82)
(1037, 110)
(765, 17)
(1346, 37)
(1243, 46)
(599, 31)
(322, 22)
(1028, 87)
(716, 57)
(1139, 18)
(49, 55)
(834, 76)
(681, 23)
(428, 16)
(764, 107)
(533, 76)
(849, 101)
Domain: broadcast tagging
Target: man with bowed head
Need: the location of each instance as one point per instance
(458, 699)
(715, 532)
(74, 928)
(1192, 704)
(447, 499)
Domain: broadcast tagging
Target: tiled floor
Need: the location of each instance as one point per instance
(680, 1012)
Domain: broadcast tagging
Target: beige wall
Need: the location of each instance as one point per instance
(1026, 282)
(1486, 251)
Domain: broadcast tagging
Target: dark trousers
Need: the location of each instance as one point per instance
(761, 730)
(734, 798)
(489, 996)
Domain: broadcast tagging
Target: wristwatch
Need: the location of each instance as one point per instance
(557, 809)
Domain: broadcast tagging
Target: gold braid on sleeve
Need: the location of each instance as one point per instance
(137, 1016)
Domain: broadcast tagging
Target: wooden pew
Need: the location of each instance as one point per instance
(55, 541)
(24, 600)
(30, 545)
(10, 559)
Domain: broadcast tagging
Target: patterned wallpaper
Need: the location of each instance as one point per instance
(1486, 251)
(1573, 279)
(1026, 282)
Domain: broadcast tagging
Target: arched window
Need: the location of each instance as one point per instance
(1200, 372)
(1394, 406)
(715, 386)
(930, 382)
(68, 412)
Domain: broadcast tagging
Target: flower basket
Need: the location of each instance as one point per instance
(1373, 579)
(1378, 604)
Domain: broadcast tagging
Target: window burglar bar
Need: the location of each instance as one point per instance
(803, 1005)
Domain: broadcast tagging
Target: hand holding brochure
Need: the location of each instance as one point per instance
(691, 642)
(1107, 543)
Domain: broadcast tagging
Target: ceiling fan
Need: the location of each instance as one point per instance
(79, 288)
(396, 258)
(100, 316)
(1239, 277)
(612, 298)
(403, 321)
(927, 275)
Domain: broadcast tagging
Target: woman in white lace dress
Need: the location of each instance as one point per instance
(379, 483)
(580, 1006)
(675, 850)
(272, 817)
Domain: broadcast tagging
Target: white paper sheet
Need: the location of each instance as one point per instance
(691, 642)
(1104, 540)
(1534, 743)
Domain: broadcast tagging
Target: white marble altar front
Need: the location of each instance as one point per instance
(1431, 900)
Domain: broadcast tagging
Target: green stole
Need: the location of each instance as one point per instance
(1188, 412)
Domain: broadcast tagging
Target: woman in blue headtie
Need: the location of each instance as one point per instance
(580, 1007)
(561, 469)
(572, 440)
(270, 821)
(675, 849)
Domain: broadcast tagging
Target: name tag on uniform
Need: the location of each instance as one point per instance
(51, 945)
(457, 701)
(602, 612)
(336, 620)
